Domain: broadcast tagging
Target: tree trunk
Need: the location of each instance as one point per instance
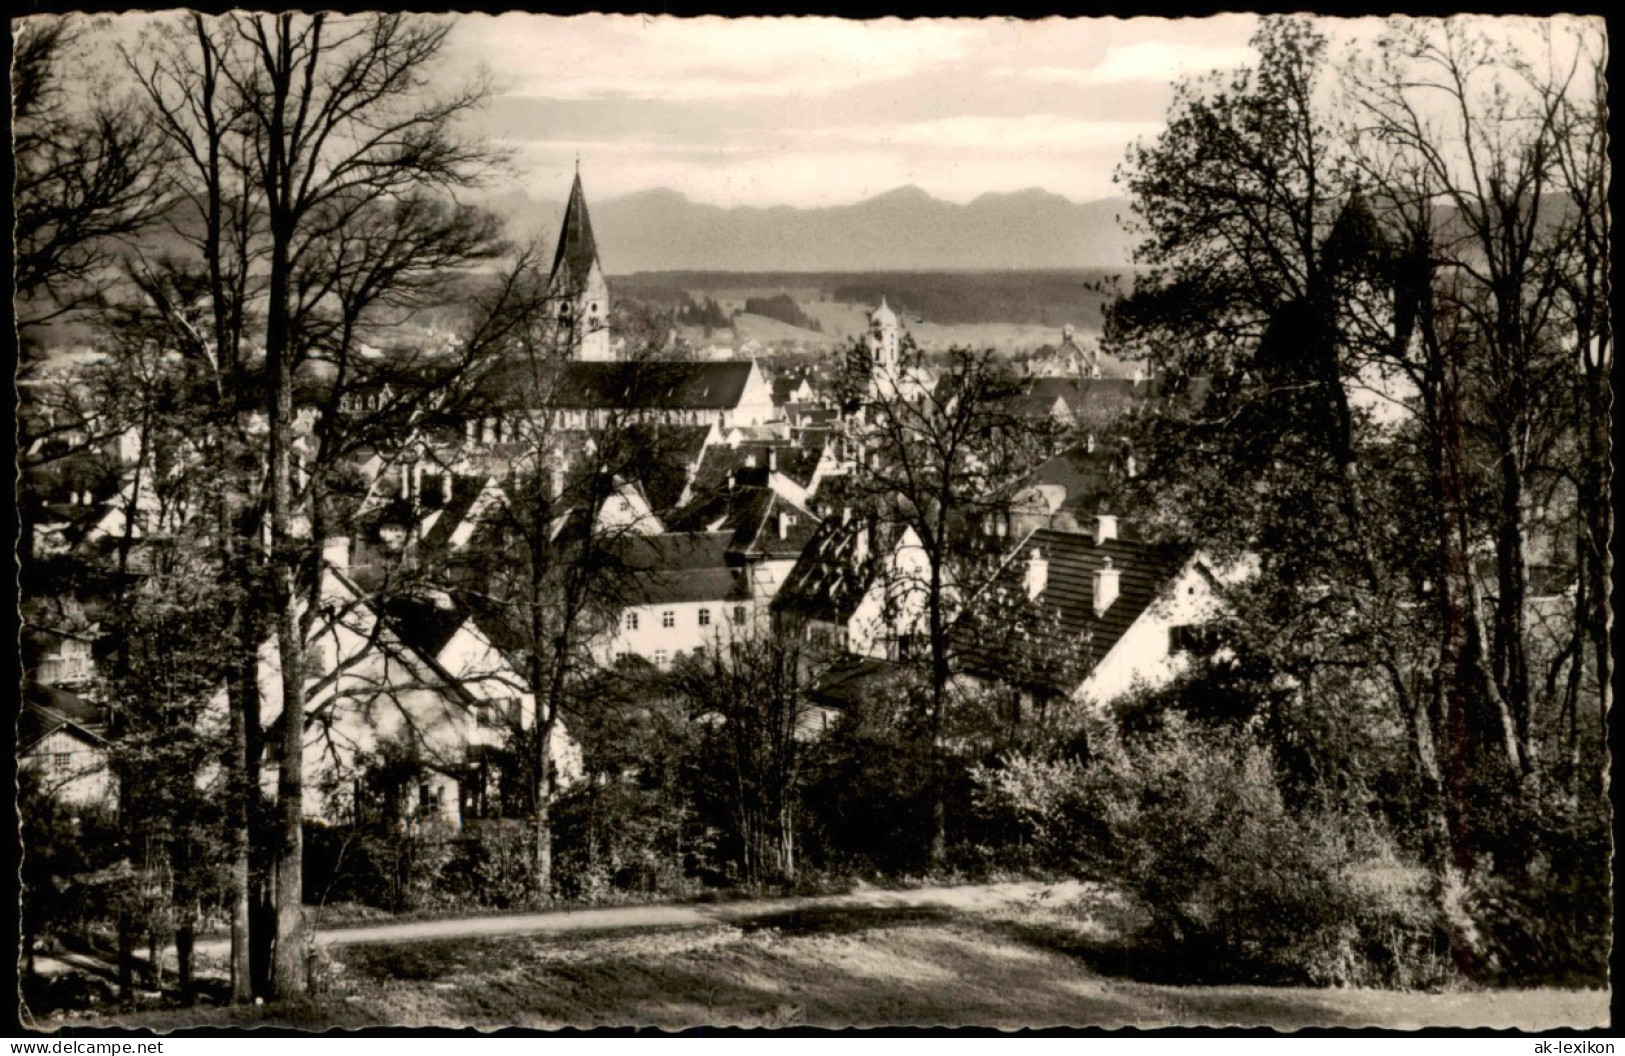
(289, 966)
(240, 793)
(126, 957)
(939, 703)
(155, 960)
(185, 934)
(544, 822)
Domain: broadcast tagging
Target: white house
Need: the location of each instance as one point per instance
(416, 673)
(860, 587)
(1088, 615)
(680, 592)
(60, 740)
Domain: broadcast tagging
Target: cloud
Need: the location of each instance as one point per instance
(702, 59)
(1147, 61)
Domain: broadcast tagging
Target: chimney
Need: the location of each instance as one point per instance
(1129, 469)
(1105, 528)
(1106, 580)
(860, 545)
(336, 553)
(1037, 573)
(1089, 444)
(730, 480)
(772, 459)
(785, 521)
(846, 515)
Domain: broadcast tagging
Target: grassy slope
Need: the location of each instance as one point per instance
(920, 966)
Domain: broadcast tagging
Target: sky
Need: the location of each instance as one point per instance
(811, 112)
(816, 112)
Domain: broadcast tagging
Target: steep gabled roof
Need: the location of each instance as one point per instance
(578, 250)
(751, 516)
(1085, 474)
(1061, 621)
(833, 573)
(672, 456)
(47, 709)
(421, 624)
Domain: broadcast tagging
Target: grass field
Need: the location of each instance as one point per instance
(917, 966)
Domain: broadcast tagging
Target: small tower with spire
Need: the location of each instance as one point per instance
(578, 290)
(885, 339)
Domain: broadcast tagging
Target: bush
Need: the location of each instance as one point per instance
(378, 866)
(490, 865)
(1548, 920)
(618, 838)
(1237, 886)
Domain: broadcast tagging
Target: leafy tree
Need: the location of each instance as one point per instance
(1412, 248)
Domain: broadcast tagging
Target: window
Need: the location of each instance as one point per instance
(668, 618)
(432, 491)
(739, 614)
(661, 657)
(61, 761)
(482, 714)
(1187, 638)
(631, 621)
(705, 617)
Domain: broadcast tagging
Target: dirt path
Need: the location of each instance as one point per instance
(969, 897)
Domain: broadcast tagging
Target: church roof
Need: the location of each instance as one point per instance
(883, 315)
(578, 250)
(651, 386)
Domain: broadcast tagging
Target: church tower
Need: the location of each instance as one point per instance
(577, 286)
(885, 340)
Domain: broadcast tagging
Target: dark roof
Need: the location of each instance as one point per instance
(828, 581)
(808, 414)
(783, 385)
(652, 385)
(421, 624)
(1052, 626)
(680, 566)
(578, 250)
(795, 461)
(1084, 474)
(47, 709)
(464, 491)
(751, 514)
(671, 457)
(852, 680)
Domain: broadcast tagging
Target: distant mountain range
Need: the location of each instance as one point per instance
(903, 229)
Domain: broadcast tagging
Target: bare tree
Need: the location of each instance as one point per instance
(309, 138)
(752, 698)
(89, 174)
(937, 460)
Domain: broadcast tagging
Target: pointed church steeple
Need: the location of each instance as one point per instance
(578, 250)
(577, 284)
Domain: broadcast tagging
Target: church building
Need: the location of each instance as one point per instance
(577, 286)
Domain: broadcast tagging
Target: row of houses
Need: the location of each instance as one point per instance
(732, 520)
